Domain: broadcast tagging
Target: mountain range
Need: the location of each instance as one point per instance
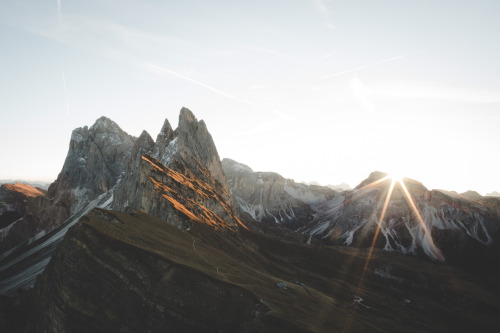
(144, 235)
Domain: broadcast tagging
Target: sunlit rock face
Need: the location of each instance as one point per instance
(14, 199)
(178, 178)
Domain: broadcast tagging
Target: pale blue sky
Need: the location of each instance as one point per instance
(316, 90)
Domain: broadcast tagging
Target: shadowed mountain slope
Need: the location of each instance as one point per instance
(136, 273)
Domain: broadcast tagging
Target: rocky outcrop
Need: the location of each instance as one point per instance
(267, 197)
(14, 199)
(96, 160)
(437, 224)
(178, 178)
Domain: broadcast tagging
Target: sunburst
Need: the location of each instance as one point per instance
(396, 179)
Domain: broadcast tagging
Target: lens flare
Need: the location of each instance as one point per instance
(427, 242)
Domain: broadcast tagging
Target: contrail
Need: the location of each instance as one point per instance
(366, 66)
(222, 93)
(59, 11)
(65, 91)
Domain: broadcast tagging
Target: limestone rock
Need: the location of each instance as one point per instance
(268, 197)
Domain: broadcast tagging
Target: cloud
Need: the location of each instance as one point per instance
(204, 85)
(321, 7)
(328, 55)
(355, 69)
(410, 90)
(59, 11)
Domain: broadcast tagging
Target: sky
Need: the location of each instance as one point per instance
(316, 90)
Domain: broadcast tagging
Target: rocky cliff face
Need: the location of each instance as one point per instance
(96, 159)
(178, 178)
(267, 197)
(174, 256)
(437, 224)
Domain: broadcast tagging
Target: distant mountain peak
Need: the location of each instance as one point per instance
(25, 189)
(104, 122)
(236, 165)
(186, 116)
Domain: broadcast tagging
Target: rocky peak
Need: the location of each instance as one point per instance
(196, 146)
(473, 195)
(165, 145)
(372, 178)
(229, 164)
(143, 145)
(97, 157)
(186, 117)
(106, 124)
(178, 178)
(166, 134)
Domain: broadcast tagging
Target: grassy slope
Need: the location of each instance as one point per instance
(414, 296)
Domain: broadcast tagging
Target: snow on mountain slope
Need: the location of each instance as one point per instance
(352, 217)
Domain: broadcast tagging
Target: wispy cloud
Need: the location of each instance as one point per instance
(355, 69)
(321, 7)
(59, 17)
(328, 55)
(423, 90)
(65, 92)
(204, 85)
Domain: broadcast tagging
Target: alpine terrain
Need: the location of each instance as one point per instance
(160, 235)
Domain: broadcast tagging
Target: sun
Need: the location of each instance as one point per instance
(396, 176)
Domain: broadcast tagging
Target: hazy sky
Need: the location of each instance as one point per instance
(315, 90)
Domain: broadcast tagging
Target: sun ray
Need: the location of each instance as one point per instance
(365, 189)
(372, 246)
(427, 235)
(381, 219)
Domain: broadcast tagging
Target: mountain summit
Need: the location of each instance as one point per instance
(144, 235)
(178, 178)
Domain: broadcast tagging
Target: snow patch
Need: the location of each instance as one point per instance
(166, 156)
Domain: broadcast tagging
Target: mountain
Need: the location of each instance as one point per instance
(340, 187)
(135, 273)
(435, 223)
(493, 194)
(35, 183)
(144, 235)
(178, 178)
(183, 166)
(13, 201)
(268, 197)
